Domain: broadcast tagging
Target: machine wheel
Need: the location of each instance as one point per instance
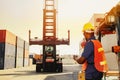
(60, 68)
(38, 67)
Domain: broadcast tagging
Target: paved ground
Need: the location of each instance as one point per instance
(28, 73)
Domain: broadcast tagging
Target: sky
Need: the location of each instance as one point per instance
(20, 16)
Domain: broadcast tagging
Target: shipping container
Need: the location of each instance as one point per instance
(19, 52)
(14, 51)
(26, 45)
(19, 62)
(26, 62)
(108, 41)
(1, 62)
(7, 56)
(7, 37)
(2, 49)
(9, 50)
(112, 61)
(26, 54)
(20, 42)
(19, 57)
(9, 62)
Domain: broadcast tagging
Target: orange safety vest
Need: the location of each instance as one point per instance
(99, 58)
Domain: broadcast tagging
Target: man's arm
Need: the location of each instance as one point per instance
(80, 60)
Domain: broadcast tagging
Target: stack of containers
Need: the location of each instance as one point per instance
(19, 52)
(7, 49)
(26, 54)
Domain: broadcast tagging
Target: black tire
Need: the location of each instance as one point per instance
(60, 68)
(38, 68)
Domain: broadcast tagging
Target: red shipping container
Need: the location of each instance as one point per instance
(7, 37)
(2, 35)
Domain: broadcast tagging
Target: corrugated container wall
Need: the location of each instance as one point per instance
(7, 49)
(9, 56)
(2, 46)
(26, 54)
(108, 41)
(19, 52)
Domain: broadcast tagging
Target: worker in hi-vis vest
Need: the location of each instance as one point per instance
(93, 58)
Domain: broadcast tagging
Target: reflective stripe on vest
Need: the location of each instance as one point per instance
(99, 58)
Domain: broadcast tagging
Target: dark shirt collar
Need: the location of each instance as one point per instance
(92, 38)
